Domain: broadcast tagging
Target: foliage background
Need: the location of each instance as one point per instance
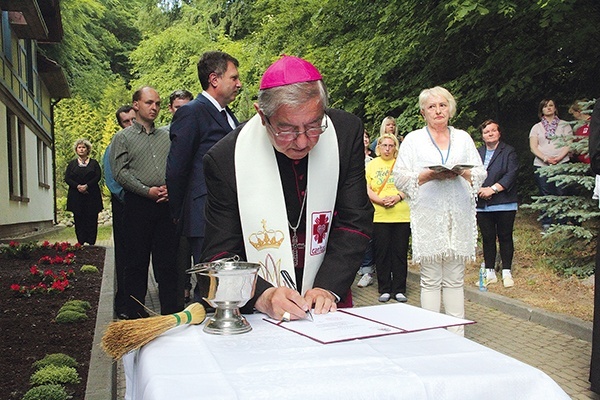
(499, 58)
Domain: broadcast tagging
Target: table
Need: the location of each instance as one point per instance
(272, 363)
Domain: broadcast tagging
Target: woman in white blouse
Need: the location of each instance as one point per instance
(548, 151)
(440, 171)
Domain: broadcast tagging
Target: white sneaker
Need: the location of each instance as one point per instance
(491, 276)
(385, 297)
(507, 278)
(401, 298)
(365, 281)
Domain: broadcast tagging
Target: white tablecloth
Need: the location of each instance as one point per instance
(272, 363)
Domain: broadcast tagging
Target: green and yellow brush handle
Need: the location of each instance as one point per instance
(193, 314)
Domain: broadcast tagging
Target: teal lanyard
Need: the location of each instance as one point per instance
(438, 149)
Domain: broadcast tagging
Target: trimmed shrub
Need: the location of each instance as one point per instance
(47, 392)
(89, 269)
(53, 374)
(58, 359)
(69, 316)
(79, 303)
(71, 307)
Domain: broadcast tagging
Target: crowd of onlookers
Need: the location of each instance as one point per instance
(496, 198)
(431, 188)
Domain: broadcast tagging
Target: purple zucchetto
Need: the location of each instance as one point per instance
(288, 70)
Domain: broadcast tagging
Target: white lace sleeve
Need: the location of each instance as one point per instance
(478, 173)
(405, 172)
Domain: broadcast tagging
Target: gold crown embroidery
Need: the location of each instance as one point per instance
(267, 238)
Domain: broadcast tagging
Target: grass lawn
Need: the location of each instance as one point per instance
(68, 234)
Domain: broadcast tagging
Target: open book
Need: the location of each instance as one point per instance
(456, 168)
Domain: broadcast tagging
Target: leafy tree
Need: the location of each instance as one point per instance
(75, 119)
(98, 37)
(167, 60)
(83, 52)
(118, 21)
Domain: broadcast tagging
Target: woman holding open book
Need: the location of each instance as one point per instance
(440, 171)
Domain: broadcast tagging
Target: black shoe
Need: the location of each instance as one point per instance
(142, 314)
(133, 315)
(123, 316)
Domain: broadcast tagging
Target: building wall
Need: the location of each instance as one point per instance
(36, 210)
(24, 96)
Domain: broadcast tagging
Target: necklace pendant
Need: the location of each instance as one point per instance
(294, 238)
(295, 247)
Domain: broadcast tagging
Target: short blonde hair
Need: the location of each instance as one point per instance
(387, 136)
(577, 107)
(440, 92)
(385, 121)
(85, 142)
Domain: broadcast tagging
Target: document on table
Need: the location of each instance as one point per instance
(366, 322)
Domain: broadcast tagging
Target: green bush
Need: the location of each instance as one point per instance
(71, 307)
(85, 305)
(53, 374)
(89, 269)
(68, 316)
(57, 359)
(47, 392)
(61, 203)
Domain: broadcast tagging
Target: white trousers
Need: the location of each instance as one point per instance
(449, 274)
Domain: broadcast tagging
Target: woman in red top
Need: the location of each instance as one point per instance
(577, 110)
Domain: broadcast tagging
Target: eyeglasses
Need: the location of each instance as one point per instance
(288, 136)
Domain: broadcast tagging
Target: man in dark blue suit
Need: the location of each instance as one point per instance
(195, 128)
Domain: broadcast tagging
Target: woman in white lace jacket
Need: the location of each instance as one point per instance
(442, 201)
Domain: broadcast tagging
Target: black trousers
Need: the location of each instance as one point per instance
(202, 281)
(86, 226)
(120, 253)
(497, 224)
(184, 262)
(150, 232)
(390, 244)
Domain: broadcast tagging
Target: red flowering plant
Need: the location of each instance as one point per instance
(61, 246)
(57, 260)
(44, 281)
(48, 281)
(18, 250)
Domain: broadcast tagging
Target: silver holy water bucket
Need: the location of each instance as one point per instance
(232, 284)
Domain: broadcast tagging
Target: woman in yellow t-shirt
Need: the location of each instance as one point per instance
(391, 228)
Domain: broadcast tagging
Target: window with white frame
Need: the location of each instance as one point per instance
(42, 159)
(17, 179)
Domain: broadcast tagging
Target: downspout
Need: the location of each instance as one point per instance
(52, 132)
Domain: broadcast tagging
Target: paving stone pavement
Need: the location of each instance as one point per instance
(563, 357)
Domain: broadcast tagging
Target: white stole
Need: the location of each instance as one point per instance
(262, 204)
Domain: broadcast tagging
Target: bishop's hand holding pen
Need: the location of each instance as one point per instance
(278, 302)
(290, 283)
(282, 303)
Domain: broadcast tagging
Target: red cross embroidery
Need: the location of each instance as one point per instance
(320, 228)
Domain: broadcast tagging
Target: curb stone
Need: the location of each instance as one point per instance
(566, 324)
(102, 375)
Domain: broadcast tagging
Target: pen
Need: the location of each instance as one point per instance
(290, 283)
